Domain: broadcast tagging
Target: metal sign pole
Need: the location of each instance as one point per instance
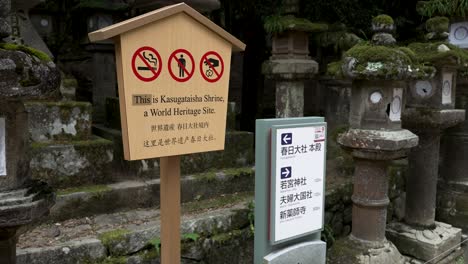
(170, 209)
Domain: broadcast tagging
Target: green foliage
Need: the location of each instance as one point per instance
(31, 51)
(338, 37)
(437, 24)
(190, 237)
(277, 24)
(156, 244)
(328, 236)
(251, 216)
(450, 8)
(383, 20)
(428, 53)
(108, 238)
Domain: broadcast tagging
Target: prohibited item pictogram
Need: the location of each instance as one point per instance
(146, 64)
(181, 65)
(211, 66)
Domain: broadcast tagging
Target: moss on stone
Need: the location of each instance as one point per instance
(428, 53)
(278, 24)
(218, 202)
(382, 62)
(110, 260)
(30, 81)
(69, 83)
(31, 51)
(226, 237)
(383, 20)
(334, 69)
(88, 189)
(114, 236)
(437, 24)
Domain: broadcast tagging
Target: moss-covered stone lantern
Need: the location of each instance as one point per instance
(430, 109)
(290, 64)
(379, 70)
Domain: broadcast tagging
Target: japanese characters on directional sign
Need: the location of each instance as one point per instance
(298, 170)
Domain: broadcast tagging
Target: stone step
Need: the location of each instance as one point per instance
(59, 121)
(125, 195)
(238, 152)
(72, 163)
(212, 231)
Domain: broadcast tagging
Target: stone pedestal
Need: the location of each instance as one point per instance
(453, 186)
(420, 236)
(290, 75)
(104, 77)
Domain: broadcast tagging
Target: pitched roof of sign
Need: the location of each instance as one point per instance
(130, 24)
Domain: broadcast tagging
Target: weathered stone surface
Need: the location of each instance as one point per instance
(238, 152)
(308, 252)
(428, 244)
(418, 119)
(26, 76)
(289, 99)
(90, 250)
(59, 121)
(379, 140)
(384, 39)
(350, 251)
(72, 163)
(290, 69)
(5, 28)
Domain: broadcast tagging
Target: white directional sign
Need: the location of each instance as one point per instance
(298, 170)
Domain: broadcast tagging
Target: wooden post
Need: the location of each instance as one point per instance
(170, 210)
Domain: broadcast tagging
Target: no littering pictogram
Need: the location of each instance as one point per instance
(146, 64)
(211, 66)
(181, 65)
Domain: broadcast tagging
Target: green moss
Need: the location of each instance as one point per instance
(31, 81)
(427, 53)
(31, 51)
(218, 202)
(151, 254)
(95, 142)
(334, 69)
(382, 62)
(87, 189)
(383, 20)
(278, 24)
(437, 24)
(226, 237)
(114, 236)
(109, 260)
(69, 83)
(460, 260)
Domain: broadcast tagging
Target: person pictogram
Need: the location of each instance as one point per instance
(182, 66)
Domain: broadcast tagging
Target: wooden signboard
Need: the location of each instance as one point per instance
(173, 69)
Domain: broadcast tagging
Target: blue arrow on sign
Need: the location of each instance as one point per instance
(286, 138)
(286, 172)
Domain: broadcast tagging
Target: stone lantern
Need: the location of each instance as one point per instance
(375, 137)
(430, 109)
(453, 185)
(22, 201)
(290, 64)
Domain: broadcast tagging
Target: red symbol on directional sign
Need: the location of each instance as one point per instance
(211, 66)
(146, 64)
(180, 68)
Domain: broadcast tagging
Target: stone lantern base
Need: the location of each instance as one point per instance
(352, 251)
(433, 245)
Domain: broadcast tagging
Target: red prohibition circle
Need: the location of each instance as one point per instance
(211, 68)
(188, 74)
(155, 73)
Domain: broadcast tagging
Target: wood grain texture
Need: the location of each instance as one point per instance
(170, 210)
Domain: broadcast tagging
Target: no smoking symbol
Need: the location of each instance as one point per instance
(146, 64)
(181, 65)
(211, 66)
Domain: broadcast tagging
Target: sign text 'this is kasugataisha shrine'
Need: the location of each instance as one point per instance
(173, 74)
